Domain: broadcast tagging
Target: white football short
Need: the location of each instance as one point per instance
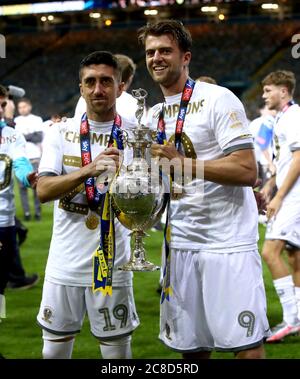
(286, 225)
(63, 309)
(218, 302)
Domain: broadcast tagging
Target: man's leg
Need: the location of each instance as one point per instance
(255, 353)
(37, 204)
(117, 348)
(24, 201)
(22, 231)
(294, 261)
(7, 242)
(284, 285)
(197, 355)
(57, 347)
(272, 255)
(17, 278)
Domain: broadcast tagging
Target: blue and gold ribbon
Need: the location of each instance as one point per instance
(162, 139)
(103, 257)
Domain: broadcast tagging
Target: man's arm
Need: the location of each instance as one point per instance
(51, 187)
(289, 181)
(268, 157)
(268, 188)
(35, 137)
(237, 168)
(24, 171)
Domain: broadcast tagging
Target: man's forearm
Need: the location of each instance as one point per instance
(54, 187)
(35, 137)
(237, 169)
(291, 177)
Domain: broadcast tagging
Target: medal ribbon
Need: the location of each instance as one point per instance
(276, 142)
(103, 257)
(162, 139)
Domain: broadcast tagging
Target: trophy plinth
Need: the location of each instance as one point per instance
(139, 195)
(138, 261)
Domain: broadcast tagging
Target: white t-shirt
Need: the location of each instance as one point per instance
(126, 106)
(72, 243)
(27, 125)
(287, 130)
(12, 147)
(215, 218)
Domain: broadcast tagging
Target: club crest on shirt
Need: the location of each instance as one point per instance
(235, 119)
(47, 314)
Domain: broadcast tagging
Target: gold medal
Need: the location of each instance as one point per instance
(92, 221)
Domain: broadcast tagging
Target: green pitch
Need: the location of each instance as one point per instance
(20, 337)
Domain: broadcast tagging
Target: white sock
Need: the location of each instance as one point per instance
(58, 350)
(116, 348)
(2, 307)
(286, 291)
(297, 294)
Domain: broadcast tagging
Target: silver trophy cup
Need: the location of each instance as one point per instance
(139, 194)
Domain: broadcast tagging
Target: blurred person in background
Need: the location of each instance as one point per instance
(31, 126)
(12, 158)
(283, 210)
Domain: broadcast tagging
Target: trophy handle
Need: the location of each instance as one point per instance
(138, 260)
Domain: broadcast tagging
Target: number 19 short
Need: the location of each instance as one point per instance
(63, 309)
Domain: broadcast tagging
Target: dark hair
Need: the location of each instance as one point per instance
(127, 66)
(100, 57)
(173, 27)
(281, 78)
(3, 91)
(25, 100)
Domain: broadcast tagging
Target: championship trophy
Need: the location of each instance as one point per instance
(139, 193)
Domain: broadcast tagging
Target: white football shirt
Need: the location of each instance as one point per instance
(27, 125)
(72, 243)
(287, 131)
(215, 218)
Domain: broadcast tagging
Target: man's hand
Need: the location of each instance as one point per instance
(268, 189)
(260, 198)
(260, 202)
(274, 207)
(32, 179)
(107, 162)
(166, 151)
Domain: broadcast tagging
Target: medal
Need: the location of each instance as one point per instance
(92, 221)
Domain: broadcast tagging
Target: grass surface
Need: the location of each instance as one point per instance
(20, 337)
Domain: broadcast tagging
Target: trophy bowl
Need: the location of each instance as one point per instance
(139, 198)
